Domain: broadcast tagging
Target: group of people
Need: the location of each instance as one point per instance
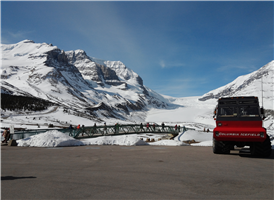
(153, 126)
(147, 126)
(116, 127)
(94, 130)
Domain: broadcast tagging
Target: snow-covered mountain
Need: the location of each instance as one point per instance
(197, 112)
(258, 83)
(73, 80)
(86, 89)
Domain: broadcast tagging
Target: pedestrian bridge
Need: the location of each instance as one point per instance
(95, 131)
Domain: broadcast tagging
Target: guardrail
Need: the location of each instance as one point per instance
(95, 131)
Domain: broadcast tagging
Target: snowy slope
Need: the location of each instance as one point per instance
(249, 85)
(42, 71)
(97, 88)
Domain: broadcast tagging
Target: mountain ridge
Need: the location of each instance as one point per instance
(252, 84)
(99, 88)
(74, 80)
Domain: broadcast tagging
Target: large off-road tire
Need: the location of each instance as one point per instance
(220, 147)
(261, 149)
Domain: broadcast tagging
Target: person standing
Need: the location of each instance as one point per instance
(141, 126)
(116, 128)
(147, 126)
(70, 130)
(94, 128)
(163, 126)
(83, 129)
(105, 129)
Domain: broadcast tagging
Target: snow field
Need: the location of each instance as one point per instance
(55, 138)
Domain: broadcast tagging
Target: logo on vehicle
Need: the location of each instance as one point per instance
(240, 134)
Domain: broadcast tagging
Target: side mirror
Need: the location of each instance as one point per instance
(262, 113)
(215, 112)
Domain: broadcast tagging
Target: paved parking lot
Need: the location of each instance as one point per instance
(135, 172)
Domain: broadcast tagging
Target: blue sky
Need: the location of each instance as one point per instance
(178, 48)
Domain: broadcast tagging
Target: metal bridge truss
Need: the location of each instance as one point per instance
(91, 131)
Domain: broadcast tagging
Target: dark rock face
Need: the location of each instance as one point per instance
(108, 73)
(57, 55)
(104, 75)
(96, 72)
(140, 80)
(80, 55)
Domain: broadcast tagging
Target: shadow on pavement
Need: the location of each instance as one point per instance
(4, 178)
(246, 154)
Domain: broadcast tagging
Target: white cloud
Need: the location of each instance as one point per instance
(162, 64)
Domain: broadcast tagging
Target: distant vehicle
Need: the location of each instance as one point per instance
(239, 123)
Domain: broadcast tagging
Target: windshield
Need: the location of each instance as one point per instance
(227, 111)
(249, 111)
(238, 113)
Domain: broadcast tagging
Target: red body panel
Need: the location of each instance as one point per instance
(239, 131)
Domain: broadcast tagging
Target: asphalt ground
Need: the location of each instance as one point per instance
(135, 172)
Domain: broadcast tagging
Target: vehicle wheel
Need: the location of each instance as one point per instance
(220, 147)
(261, 149)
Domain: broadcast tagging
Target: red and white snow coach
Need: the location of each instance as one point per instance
(239, 123)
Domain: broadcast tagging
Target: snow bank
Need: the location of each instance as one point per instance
(55, 138)
(168, 143)
(52, 138)
(204, 138)
(127, 140)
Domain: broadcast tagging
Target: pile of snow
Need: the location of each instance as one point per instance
(204, 138)
(55, 138)
(52, 138)
(127, 140)
(168, 143)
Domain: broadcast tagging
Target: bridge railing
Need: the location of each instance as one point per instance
(91, 131)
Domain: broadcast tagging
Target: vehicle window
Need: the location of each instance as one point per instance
(249, 102)
(227, 111)
(227, 102)
(249, 111)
